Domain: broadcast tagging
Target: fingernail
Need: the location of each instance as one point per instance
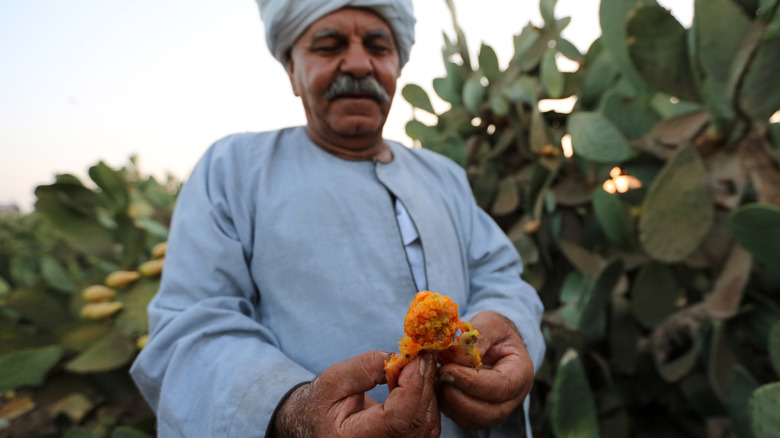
(423, 365)
(446, 378)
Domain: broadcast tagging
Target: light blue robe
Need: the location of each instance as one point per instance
(284, 259)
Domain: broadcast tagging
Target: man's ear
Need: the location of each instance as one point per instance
(290, 67)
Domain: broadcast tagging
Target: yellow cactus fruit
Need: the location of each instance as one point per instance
(121, 278)
(102, 310)
(550, 151)
(142, 341)
(159, 250)
(139, 208)
(531, 226)
(97, 293)
(151, 268)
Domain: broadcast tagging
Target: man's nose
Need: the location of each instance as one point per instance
(357, 62)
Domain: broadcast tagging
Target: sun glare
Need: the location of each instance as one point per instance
(562, 106)
(620, 183)
(568, 150)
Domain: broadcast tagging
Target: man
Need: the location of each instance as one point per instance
(294, 255)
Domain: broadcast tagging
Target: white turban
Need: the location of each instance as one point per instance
(286, 20)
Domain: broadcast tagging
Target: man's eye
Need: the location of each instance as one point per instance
(379, 48)
(327, 45)
(329, 48)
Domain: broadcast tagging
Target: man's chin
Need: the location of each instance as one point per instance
(358, 129)
(358, 121)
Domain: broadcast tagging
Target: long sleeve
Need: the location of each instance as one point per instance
(210, 369)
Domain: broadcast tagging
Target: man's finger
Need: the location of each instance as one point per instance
(509, 378)
(470, 412)
(355, 375)
(415, 391)
(433, 418)
(410, 410)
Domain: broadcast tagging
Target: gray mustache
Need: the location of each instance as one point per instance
(349, 86)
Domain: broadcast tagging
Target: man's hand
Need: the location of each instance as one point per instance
(475, 398)
(334, 404)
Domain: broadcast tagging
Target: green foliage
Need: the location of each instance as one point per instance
(764, 405)
(112, 350)
(128, 432)
(658, 48)
(66, 356)
(655, 294)
(654, 247)
(595, 138)
(415, 95)
(774, 347)
(573, 407)
(741, 386)
(613, 15)
(757, 227)
(677, 212)
(757, 97)
(27, 367)
(719, 28)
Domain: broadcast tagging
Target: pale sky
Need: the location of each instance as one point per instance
(89, 80)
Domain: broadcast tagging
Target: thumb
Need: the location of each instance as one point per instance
(493, 328)
(355, 375)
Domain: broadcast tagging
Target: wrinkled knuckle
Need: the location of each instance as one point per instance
(417, 422)
(468, 385)
(402, 426)
(396, 425)
(430, 427)
(367, 365)
(502, 393)
(398, 429)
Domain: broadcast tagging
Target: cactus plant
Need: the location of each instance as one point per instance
(70, 336)
(764, 404)
(574, 408)
(740, 387)
(774, 347)
(666, 289)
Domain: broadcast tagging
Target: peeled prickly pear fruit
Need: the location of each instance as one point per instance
(432, 323)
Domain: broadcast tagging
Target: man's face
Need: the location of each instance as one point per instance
(345, 67)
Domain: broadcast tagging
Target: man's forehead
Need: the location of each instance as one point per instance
(329, 32)
(347, 20)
